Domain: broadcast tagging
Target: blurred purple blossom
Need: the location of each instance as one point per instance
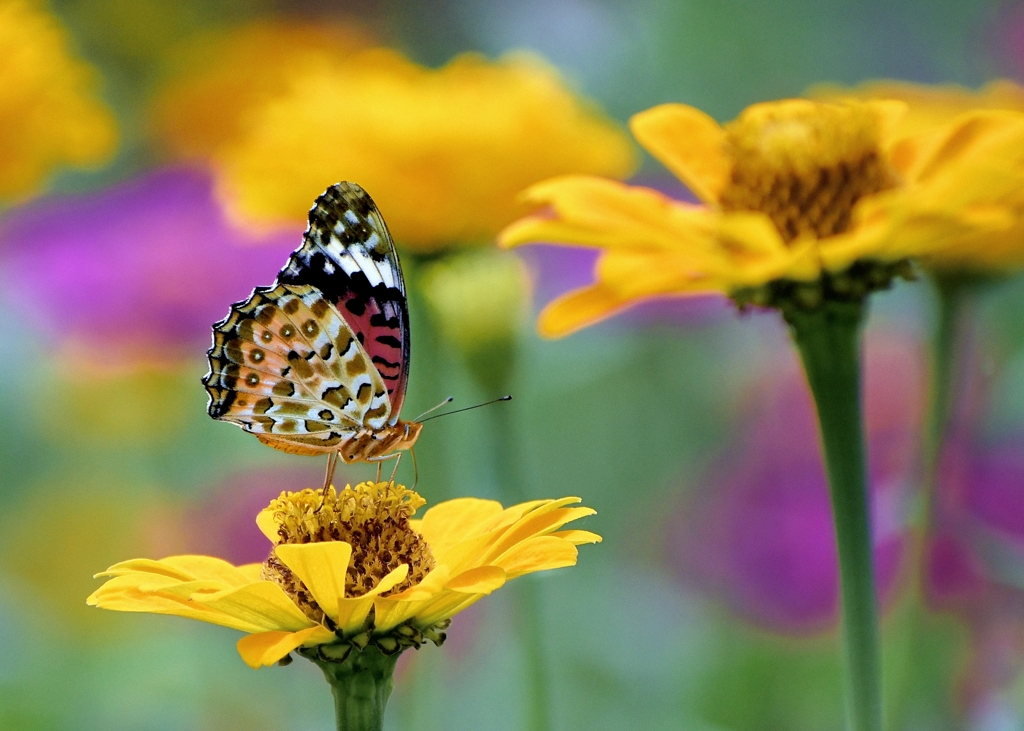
(759, 535)
(151, 261)
(977, 542)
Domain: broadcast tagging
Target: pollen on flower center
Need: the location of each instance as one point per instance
(371, 517)
(805, 164)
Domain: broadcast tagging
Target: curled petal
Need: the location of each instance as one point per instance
(266, 648)
(689, 143)
(322, 567)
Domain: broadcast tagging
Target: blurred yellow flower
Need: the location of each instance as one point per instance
(50, 114)
(352, 569)
(444, 152)
(217, 81)
(802, 201)
(929, 108)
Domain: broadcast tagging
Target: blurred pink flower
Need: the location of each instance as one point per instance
(148, 264)
(760, 535)
(975, 560)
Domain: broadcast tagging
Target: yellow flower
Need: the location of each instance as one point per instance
(220, 79)
(352, 569)
(929, 108)
(802, 201)
(49, 113)
(443, 152)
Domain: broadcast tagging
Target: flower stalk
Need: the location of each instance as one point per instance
(361, 684)
(828, 339)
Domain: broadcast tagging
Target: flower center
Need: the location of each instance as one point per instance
(371, 517)
(805, 164)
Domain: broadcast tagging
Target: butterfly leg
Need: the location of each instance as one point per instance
(415, 469)
(398, 460)
(332, 463)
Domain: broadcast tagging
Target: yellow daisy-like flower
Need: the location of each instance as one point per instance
(220, 79)
(802, 202)
(444, 151)
(353, 569)
(49, 113)
(929, 108)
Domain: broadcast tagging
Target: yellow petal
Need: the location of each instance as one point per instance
(183, 568)
(456, 520)
(263, 604)
(537, 554)
(689, 143)
(604, 213)
(266, 648)
(481, 580)
(131, 599)
(266, 522)
(578, 537)
(352, 612)
(322, 567)
(534, 525)
(579, 309)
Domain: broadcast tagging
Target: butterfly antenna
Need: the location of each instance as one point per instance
(468, 408)
(434, 408)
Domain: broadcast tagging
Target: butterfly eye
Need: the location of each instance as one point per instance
(267, 336)
(252, 379)
(310, 328)
(257, 356)
(287, 331)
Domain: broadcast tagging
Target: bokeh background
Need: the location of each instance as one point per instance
(712, 603)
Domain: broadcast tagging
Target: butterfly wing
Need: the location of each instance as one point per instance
(348, 254)
(286, 366)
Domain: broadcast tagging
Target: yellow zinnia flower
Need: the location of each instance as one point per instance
(929, 108)
(49, 113)
(444, 151)
(353, 569)
(802, 202)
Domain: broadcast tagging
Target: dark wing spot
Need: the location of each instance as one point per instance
(325, 352)
(291, 306)
(381, 361)
(299, 364)
(326, 414)
(389, 340)
(337, 396)
(252, 379)
(284, 388)
(262, 406)
(356, 306)
(310, 328)
(364, 393)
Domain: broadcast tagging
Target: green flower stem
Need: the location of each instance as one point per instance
(952, 295)
(829, 343)
(361, 685)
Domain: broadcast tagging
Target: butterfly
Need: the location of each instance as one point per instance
(318, 362)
